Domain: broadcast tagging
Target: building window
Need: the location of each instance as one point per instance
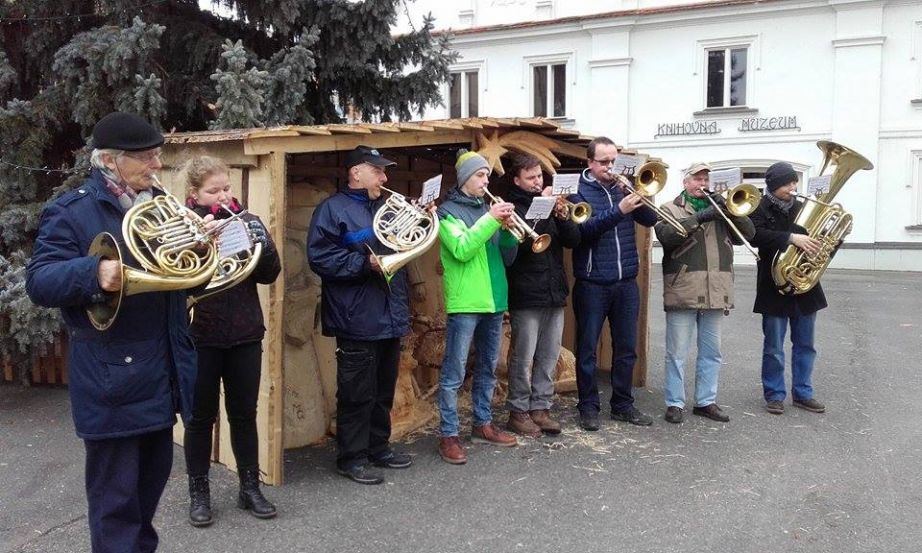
(464, 100)
(726, 77)
(549, 90)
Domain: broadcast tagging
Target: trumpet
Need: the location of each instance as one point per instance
(521, 230)
(741, 200)
(578, 213)
(651, 178)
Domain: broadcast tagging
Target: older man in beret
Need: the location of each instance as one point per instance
(127, 382)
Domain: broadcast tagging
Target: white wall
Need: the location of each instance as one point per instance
(847, 69)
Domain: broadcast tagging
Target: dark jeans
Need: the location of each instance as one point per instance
(366, 375)
(592, 304)
(124, 480)
(239, 367)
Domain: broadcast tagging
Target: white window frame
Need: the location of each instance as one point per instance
(476, 66)
(753, 64)
(568, 60)
(916, 57)
(916, 185)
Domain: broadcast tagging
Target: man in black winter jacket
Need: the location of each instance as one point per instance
(538, 292)
(775, 231)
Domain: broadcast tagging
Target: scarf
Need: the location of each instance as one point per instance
(784, 206)
(215, 209)
(697, 203)
(126, 196)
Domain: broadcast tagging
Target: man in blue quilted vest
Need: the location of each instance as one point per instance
(605, 266)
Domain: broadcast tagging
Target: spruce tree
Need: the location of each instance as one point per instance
(65, 64)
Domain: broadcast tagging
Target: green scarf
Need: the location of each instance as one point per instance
(697, 203)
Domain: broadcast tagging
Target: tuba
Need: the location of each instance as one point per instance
(405, 228)
(793, 271)
(169, 242)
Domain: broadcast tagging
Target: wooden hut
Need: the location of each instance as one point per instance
(282, 174)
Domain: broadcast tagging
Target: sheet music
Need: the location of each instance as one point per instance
(627, 164)
(233, 239)
(817, 186)
(725, 179)
(566, 184)
(541, 207)
(432, 189)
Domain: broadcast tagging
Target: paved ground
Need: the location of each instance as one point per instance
(844, 481)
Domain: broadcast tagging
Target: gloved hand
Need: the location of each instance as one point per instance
(706, 215)
(719, 200)
(258, 233)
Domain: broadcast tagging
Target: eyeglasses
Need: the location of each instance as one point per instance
(605, 162)
(145, 157)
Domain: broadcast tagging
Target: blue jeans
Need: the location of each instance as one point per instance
(802, 356)
(680, 329)
(485, 329)
(592, 304)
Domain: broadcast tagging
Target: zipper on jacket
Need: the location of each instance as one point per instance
(617, 238)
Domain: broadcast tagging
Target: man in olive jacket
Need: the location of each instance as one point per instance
(697, 291)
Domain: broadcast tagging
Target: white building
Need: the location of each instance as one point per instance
(737, 83)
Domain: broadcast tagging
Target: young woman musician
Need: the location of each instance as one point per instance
(228, 330)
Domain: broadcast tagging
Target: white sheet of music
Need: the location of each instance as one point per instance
(817, 186)
(233, 239)
(432, 188)
(626, 164)
(566, 184)
(725, 179)
(541, 207)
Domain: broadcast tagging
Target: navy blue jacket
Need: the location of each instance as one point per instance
(357, 303)
(607, 251)
(132, 378)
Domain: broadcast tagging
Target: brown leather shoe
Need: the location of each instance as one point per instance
(452, 451)
(711, 411)
(521, 423)
(543, 420)
(489, 434)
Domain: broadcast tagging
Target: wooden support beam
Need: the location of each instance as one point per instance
(275, 331)
(344, 142)
(348, 129)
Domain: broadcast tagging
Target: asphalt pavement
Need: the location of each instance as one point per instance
(844, 481)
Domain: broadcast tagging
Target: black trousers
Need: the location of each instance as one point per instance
(366, 375)
(125, 478)
(239, 367)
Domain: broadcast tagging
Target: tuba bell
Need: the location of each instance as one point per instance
(405, 228)
(793, 271)
(170, 243)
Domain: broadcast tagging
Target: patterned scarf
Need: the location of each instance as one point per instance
(783, 205)
(697, 203)
(125, 195)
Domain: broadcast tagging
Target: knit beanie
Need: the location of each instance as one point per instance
(778, 175)
(467, 164)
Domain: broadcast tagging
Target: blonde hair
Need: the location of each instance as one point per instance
(197, 169)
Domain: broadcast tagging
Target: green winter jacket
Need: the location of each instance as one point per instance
(473, 256)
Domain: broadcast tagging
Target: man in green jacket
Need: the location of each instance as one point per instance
(472, 253)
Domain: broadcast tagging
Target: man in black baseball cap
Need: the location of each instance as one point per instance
(364, 154)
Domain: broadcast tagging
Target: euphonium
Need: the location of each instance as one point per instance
(521, 230)
(650, 179)
(405, 228)
(170, 243)
(795, 272)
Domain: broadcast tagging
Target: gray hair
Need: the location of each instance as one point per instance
(97, 153)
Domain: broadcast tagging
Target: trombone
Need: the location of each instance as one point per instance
(651, 178)
(521, 230)
(741, 200)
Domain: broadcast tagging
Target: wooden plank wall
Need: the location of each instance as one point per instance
(45, 368)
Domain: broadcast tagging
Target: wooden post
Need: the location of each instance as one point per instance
(644, 243)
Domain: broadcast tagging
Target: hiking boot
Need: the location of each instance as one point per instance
(775, 407)
(361, 474)
(451, 450)
(589, 421)
(521, 423)
(542, 418)
(391, 460)
(674, 414)
(633, 416)
(251, 498)
(810, 405)
(199, 501)
(489, 434)
(712, 412)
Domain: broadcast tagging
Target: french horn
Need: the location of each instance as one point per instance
(404, 227)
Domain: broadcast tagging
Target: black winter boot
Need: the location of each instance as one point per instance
(250, 497)
(199, 501)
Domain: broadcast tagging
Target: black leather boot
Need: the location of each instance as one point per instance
(199, 501)
(250, 497)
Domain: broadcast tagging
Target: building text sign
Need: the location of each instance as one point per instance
(688, 128)
(768, 123)
(747, 124)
